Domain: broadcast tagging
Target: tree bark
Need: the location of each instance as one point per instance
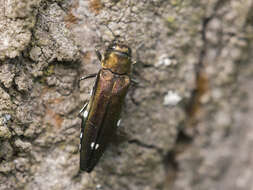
(186, 125)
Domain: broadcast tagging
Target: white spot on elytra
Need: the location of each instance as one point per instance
(118, 123)
(85, 113)
(92, 145)
(171, 99)
(81, 135)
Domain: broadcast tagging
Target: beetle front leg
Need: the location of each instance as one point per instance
(86, 77)
(99, 55)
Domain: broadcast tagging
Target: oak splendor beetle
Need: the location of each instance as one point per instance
(101, 115)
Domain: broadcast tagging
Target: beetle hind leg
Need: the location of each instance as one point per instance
(83, 110)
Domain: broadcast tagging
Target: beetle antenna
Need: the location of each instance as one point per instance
(116, 37)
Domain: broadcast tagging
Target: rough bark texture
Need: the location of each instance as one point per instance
(188, 125)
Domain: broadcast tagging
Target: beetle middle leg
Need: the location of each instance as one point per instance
(134, 82)
(131, 95)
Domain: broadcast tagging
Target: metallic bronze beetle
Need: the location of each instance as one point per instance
(101, 116)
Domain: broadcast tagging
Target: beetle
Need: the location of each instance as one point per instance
(101, 115)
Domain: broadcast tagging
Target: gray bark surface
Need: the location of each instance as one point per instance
(186, 126)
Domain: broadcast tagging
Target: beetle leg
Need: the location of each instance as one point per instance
(82, 110)
(131, 95)
(86, 77)
(99, 56)
(135, 82)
